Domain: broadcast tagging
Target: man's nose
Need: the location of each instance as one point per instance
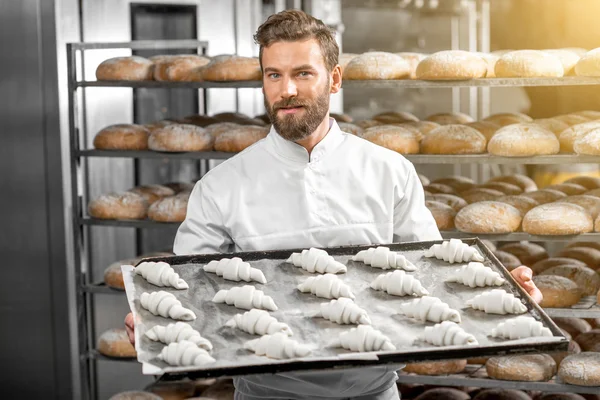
(289, 88)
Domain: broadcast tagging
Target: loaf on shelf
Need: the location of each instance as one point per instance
(503, 119)
(529, 367)
(528, 64)
(548, 263)
(452, 65)
(126, 205)
(589, 64)
(450, 118)
(588, 255)
(152, 193)
(558, 219)
(558, 291)
(395, 117)
(178, 67)
(521, 140)
(488, 217)
(240, 138)
(442, 214)
(436, 367)
(586, 278)
(377, 65)
(457, 182)
(581, 369)
(133, 68)
(180, 137)
(226, 68)
(115, 343)
(122, 137)
(453, 139)
(393, 137)
(170, 209)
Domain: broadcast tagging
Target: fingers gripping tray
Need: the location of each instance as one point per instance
(301, 313)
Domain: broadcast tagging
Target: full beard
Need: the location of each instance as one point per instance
(294, 127)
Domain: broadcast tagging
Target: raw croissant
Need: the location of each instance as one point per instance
(234, 269)
(160, 274)
(363, 338)
(497, 301)
(316, 260)
(245, 297)
(382, 257)
(277, 345)
(258, 322)
(430, 309)
(454, 251)
(185, 354)
(520, 327)
(176, 333)
(398, 283)
(447, 333)
(476, 274)
(166, 305)
(327, 286)
(343, 311)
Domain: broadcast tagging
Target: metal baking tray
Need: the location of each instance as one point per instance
(282, 279)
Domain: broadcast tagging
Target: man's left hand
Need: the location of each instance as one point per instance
(523, 276)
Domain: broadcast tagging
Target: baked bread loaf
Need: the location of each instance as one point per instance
(413, 59)
(521, 203)
(488, 217)
(377, 65)
(159, 124)
(589, 64)
(567, 58)
(449, 199)
(573, 326)
(589, 341)
(122, 137)
(435, 188)
(590, 203)
(422, 126)
(452, 65)
(528, 253)
(523, 181)
(442, 393)
(453, 139)
(119, 206)
(569, 136)
(548, 263)
(351, 128)
(510, 261)
(487, 129)
(231, 68)
(558, 291)
(394, 138)
(522, 140)
(132, 68)
(572, 119)
(199, 120)
(504, 119)
(391, 117)
(544, 196)
(554, 125)
(344, 59)
(480, 194)
(528, 64)
(115, 343)
(240, 138)
(589, 182)
(178, 68)
(589, 144)
(570, 189)
(450, 118)
(529, 367)
(581, 369)
(507, 188)
(457, 182)
(586, 278)
(170, 209)
(442, 214)
(501, 394)
(558, 219)
(593, 245)
(215, 130)
(588, 255)
(152, 193)
(113, 277)
(174, 138)
(436, 367)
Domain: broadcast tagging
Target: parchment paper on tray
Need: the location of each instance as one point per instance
(318, 333)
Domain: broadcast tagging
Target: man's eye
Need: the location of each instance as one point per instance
(304, 73)
(273, 76)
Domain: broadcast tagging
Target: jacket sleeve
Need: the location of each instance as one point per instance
(202, 231)
(413, 221)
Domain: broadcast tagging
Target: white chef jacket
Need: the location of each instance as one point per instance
(273, 195)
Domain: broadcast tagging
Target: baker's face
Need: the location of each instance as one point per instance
(296, 85)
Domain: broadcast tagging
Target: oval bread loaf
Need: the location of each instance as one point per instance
(398, 117)
(240, 138)
(179, 68)
(436, 367)
(457, 203)
(132, 68)
(231, 68)
(523, 140)
(480, 194)
(548, 263)
(593, 245)
(572, 119)
(590, 182)
(457, 182)
(199, 120)
(555, 126)
(558, 219)
(115, 343)
(439, 188)
(567, 58)
(581, 369)
(589, 64)
(523, 181)
(589, 144)
(450, 118)
(586, 278)
(182, 137)
(422, 126)
(507, 188)
(119, 206)
(452, 65)
(488, 217)
(588, 255)
(528, 64)
(122, 137)
(377, 65)
(530, 367)
(501, 394)
(453, 139)
(443, 393)
(528, 253)
(589, 341)
(574, 326)
(558, 291)
(394, 138)
(590, 203)
(570, 189)
(170, 209)
(569, 136)
(152, 193)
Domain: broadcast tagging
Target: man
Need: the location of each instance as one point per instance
(308, 184)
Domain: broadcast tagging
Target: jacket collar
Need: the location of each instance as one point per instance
(296, 153)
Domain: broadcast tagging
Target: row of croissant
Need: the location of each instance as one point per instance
(275, 342)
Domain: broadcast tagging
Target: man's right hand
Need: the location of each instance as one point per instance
(130, 328)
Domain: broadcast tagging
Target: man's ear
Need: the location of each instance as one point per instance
(336, 79)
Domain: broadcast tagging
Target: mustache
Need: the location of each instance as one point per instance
(288, 104)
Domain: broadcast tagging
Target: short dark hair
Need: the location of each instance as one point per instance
(294, 25)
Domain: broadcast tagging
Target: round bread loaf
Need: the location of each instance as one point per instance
(589, 144)
(572, 119)
(170, 209)
(450, 118)
(338, 117)
(590, 203)
(199, 120)
(581, 369)
(351, 128)
(554, 125)
(521, 203)
(510, 261)
(480, 194)
(450, 200)
(569, 136)
(488, 217)
(413, 59)
(586, 278)
(178, 68)
(119, 206)
(567, 58)
(589, 64)
(501, 394)
(504, 119)
(153, 193)
(452, 65)
(133, 68)
(422, 126)
(507, 188)
(435, 188)
(135, 395)
(453, 139)
(115, 343)
(570, 189)
(240, 138)
(548, 263)
(545, 196)
(558, 219)
(589, 341)
(394, 138)
(529, 367)
(113, 277)
(377, 65)
(588, 255)
(558, 291)
(443, 394)
(574, 326)
(593, 245)
(122, 137)
(528, 253)
(391, 117)
(457, 182)
(442, 213)
(521, 140)
(589, 182)
(445, 367)
(219, 128)
(573, 348)
(232, 68)
(523, 181)
(528, 64)
(487, 129)
(174, 138)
